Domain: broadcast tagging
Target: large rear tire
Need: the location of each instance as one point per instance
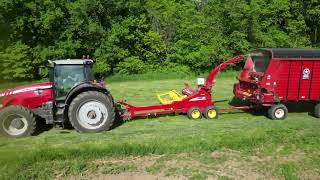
(92, 112)
(17, 121)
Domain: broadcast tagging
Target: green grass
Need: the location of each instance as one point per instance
(146, 77)
(237, 145)
(163, 76)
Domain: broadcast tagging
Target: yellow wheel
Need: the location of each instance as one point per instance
(211, 112)
(195, 113)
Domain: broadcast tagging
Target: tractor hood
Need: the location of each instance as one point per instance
(26, 88)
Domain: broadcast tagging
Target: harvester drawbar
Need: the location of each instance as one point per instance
(196, 103)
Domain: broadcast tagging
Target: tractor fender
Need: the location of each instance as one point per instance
(83, 87)
(86, 86)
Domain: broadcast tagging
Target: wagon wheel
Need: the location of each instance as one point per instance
(194, 113)
(278, 112)
(317, 111)
(211, 112)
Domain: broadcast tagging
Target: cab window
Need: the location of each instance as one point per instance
(66, 77)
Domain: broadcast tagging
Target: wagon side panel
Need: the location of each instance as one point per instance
(305, 80)
(294, 80)
(315, 85)
(283, 80)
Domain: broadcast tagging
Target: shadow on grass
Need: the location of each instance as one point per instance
(41, 126)
(236, 102)
(119, 121)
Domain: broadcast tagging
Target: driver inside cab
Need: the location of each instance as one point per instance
(67, 77)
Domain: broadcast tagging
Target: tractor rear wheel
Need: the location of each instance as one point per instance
(91, 111)
(194, 113)
(317, 111)
(278, 112)
(17, 121)
(211, 112)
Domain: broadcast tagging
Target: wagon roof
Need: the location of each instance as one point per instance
(294, 52)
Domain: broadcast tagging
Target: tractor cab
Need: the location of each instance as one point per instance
(77, 97)
(66, 74)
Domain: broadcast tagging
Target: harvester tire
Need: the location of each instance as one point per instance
(211, 112)
(278, 112)
(17, 121)
(317, 111)
(91, 112)
(194, 113)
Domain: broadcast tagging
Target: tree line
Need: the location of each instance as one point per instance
(141, 36)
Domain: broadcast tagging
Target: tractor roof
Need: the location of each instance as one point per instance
(72, 62)
(293, 52)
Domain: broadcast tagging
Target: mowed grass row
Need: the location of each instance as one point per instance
(237, 145)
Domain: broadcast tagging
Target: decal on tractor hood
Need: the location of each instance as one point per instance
(25, 90)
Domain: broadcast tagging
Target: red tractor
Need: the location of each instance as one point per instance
(71, 95)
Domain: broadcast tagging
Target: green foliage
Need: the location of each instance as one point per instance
(170, 67)
(16, 62)
(131, 65)
(130, 46)
(152, 33)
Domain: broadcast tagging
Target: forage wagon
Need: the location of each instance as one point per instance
(272, 77)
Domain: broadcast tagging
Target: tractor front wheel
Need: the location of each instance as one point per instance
(91, 111)
(17, 121)
(194, 113)
(278, 112)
